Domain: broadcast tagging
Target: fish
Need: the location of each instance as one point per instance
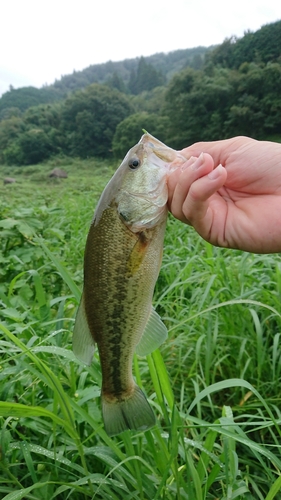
(122, 261)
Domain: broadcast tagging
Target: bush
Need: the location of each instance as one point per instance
(130, 130)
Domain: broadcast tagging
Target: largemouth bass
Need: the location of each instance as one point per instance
(122, 261)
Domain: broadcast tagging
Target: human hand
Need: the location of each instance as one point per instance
(230, 193)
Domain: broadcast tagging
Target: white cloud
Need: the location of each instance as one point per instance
(41, 40)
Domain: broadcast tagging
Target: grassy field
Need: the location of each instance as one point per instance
(214, 385)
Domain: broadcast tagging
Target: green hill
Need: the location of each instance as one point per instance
(181, 97)
(262, 46)
(117, 74)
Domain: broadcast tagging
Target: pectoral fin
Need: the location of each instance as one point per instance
(155, 333)
(138, 253)
(83, 344)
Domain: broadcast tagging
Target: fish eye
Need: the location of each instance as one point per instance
(134, 163)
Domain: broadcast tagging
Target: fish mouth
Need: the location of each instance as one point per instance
(161, 152)
(172, 159)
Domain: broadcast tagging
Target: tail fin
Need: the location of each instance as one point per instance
(133, 413)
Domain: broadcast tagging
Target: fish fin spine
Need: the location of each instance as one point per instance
(133, 413)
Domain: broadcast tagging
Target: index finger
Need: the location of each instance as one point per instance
(219, 150)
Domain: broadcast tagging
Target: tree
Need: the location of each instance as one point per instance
(223, 54)
(146, 77)
(9, 113)
(151, 101)
(259, 47)
(116, 82)
(31, 147)
(132, 85)
(10, 130)
(256, 110)
(12, 154)
(247, 117)
(197, 106)
(130, 130)
(25, 97)
(90, 117)
(197, 61)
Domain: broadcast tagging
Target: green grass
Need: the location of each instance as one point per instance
(214, 385)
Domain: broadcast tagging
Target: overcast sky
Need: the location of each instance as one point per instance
(40, 40)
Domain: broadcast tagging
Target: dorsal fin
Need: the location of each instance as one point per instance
(83, 344)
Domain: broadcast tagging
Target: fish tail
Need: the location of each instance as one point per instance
(132, 413)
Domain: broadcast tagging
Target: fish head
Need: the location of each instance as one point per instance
(141, 198)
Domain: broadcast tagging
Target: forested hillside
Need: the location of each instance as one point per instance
(154, 70)
(181, 97)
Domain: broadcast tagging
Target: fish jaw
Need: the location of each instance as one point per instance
(173, 159)
(167, 154)
(159, 148)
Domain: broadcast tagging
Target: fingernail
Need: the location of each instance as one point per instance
(199, 161)
(215, 173)
(188, 163)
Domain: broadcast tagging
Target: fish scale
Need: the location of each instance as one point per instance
(117, 302)
(122, 261)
